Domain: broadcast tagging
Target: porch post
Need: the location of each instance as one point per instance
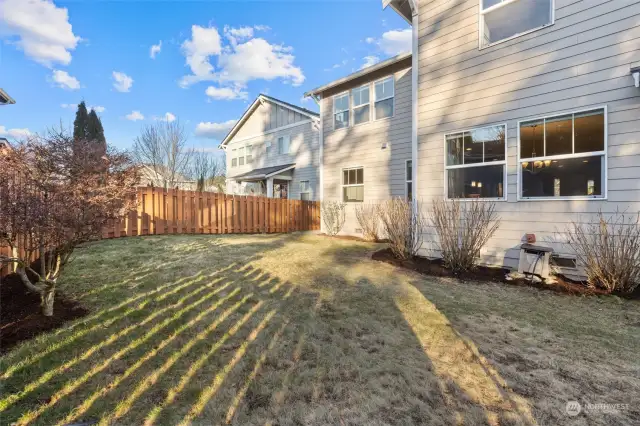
(270, 187)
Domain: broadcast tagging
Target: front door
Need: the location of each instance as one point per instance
(281, 189)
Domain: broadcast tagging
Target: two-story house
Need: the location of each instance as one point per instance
(533, 104)
(273, 150)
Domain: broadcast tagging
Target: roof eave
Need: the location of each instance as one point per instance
(5, 98)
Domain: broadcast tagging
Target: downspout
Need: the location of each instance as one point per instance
(414, 101)
(318, 101)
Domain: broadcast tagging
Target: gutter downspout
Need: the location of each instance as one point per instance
(414, 101)
(318, 100)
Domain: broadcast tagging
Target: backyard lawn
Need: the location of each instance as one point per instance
(303, 329)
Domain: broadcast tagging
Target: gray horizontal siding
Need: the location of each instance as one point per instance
(581, 61)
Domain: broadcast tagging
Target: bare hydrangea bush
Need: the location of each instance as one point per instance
(608, 248)
(368, 216)
(403, 224)
(333, 216)
(463, 228)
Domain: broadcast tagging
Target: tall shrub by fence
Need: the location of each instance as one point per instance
(161, 211)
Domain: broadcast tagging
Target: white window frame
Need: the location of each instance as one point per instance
(342, 186)
(463, 166)
(248, 148)
(604, 154)
(308, 189)
(498, 6)
(354, 107)
(234, 157)
(288, 144)
(348, 110)
(393, 96)
(408, 179)
(241, 158)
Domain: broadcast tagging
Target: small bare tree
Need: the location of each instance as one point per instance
(162, 147)
(609, 250)
(333, 215)
(207, 170)
(463, 228)
(52, 198)
(368, 216)
(403, 223)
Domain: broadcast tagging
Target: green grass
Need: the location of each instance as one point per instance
(301, 329)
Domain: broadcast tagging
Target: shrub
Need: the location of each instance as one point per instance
(403, 226)
(368, 216)
(609, 250)
(333, 215)
(463, 228)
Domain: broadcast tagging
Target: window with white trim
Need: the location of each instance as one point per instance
(408, 172)
(234, 157)
(361, 104)
(305, 190)
(504, 19)
(563, 156)
(249, 154)
(384, 92)
(353, 185)
(241, 156)
(476, 163)
(341, 111)
(284, 144)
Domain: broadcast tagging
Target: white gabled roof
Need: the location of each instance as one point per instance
(262, 98)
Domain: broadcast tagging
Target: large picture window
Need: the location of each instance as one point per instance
(563, 156)
(361, 107)
(384, 93)
(353, 185)
(504, 19)
(341, 111)
(476, 163)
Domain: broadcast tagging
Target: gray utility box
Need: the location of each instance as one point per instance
(535, 260)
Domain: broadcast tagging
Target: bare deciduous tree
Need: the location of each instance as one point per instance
(207, 170)
(609, 250)
(463, 228)
(404, 224)
(368, 216)
(52, 199)
(162, 147)
(333, 215)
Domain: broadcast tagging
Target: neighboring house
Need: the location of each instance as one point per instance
(273, 150)
(158, 176)
(5, 99)
(532, 104)
(4, 144)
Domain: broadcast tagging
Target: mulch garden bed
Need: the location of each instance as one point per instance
(20, 313)
(435, 267)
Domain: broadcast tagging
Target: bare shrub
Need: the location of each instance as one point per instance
(403, 224)
(333, 215)
(463, 229)
(609, 250)
(368, 216)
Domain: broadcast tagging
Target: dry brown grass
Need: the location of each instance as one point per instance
(308, 330)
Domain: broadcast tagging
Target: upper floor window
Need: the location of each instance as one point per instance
(476, 162)
(249, 154)
(563, 156)
(241, 156)
(284, 144)
(341, 111)
(384, 93)
(361, 107)
(234, 157)
(504, 19)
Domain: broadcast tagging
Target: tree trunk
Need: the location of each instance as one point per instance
(47, 297)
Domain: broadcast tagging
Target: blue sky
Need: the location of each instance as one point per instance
(212, 58)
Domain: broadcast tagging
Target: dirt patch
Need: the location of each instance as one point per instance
(436, 268)
(21, 317)
(351, 238)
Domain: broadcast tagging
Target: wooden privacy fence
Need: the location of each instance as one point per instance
(171, 211)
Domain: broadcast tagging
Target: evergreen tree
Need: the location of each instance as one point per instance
(80, 125)
(95, 131)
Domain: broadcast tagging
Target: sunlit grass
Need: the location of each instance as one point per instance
(299, 329)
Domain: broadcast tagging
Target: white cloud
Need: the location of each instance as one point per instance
(214, 130)
(168, 117)
(370, 40)
(14, 133)
(65, 81)
(122, 82)
(40, 29)
(395, 42)
(370, 60)
(97, 108)
(226, 93)
(262, 27)
(134, 116)
(241, 60)
(155, 49)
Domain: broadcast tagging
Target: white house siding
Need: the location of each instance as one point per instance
(581, 61)
(268, 116)
(361, 145)
(304, 149)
